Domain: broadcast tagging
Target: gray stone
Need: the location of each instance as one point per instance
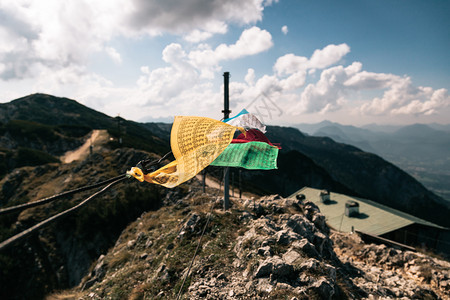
(149, 243)
(306, 247)
(275, 267)
(264, 269)
(285, 237)
(291, 256)
(265, 251)
(323, 288)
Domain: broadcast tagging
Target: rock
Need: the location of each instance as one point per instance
(323, 288)
(246, 216)
(275, 267)
(319, 220)
(191, 226)
(311, 264)
(97, 273)
(264, 286)
(162, 273)
(306, 247)
(264, 269)
(286, 237)
(265, 251)
(131, 243)
(291, 256)
(149, 243)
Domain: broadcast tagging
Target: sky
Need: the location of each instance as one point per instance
(354, 62)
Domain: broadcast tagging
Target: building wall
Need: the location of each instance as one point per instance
(424, 237)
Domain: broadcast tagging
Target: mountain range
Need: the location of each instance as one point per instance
(422, 150)
(39, 122)
(37, 129)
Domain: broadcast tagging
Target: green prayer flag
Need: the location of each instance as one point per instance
(252, 155)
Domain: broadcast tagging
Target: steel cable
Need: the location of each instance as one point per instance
(12, 209)
(20, 236)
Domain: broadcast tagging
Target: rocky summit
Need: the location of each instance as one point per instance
(265, 248)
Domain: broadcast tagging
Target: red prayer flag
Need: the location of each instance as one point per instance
(253, 135)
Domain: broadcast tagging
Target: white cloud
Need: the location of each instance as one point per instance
(328, 93)
(290, 64)
(180, 17)
(57, 34)
(47, 46)
(115, 56)
(328, 56)
(250, 77)
(320, 59)
(404, 98)
(198, 35)
(252, 41)
(367, 80)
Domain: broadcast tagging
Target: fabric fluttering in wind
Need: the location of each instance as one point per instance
(251, 155)
(246, 120)
(253, 135)
(195, 143)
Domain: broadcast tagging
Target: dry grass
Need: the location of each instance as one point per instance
(119, 259)
(64, 296)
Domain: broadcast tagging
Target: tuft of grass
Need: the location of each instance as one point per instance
(119, 259)
(63, 296)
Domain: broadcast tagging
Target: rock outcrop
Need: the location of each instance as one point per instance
(268, 248)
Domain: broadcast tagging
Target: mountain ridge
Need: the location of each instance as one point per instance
(263, 232)
(422, 150)
(350, 169)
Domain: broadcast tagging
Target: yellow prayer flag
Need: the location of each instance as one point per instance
(195, 143)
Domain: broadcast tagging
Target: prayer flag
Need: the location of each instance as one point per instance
(253, 135)
(246, 120)
(195, 143)
(251, 155)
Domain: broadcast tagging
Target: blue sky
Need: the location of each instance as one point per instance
(353, 62)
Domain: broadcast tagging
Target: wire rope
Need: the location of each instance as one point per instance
(198, 246)
(12, 209)
(22, 235)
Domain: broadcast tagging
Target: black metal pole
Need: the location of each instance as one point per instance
(240, 186)
(226, 114)
(232, 183)
(204, 180)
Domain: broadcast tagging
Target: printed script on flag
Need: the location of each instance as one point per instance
(195, 143)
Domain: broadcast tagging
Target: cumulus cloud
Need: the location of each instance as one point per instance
(252, 41)
(328, 56)
(328, 93)
(403, 97)
(58, 34)
(54, 34)
(320, 59)
(338, 84)
(180, 17)
(48, 45)
(250, 77)
(113, 54)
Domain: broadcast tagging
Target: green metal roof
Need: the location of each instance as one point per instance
(373, 217)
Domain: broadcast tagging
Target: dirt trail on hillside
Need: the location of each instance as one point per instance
(96, 140)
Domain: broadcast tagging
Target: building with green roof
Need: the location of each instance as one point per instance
(347, 213)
